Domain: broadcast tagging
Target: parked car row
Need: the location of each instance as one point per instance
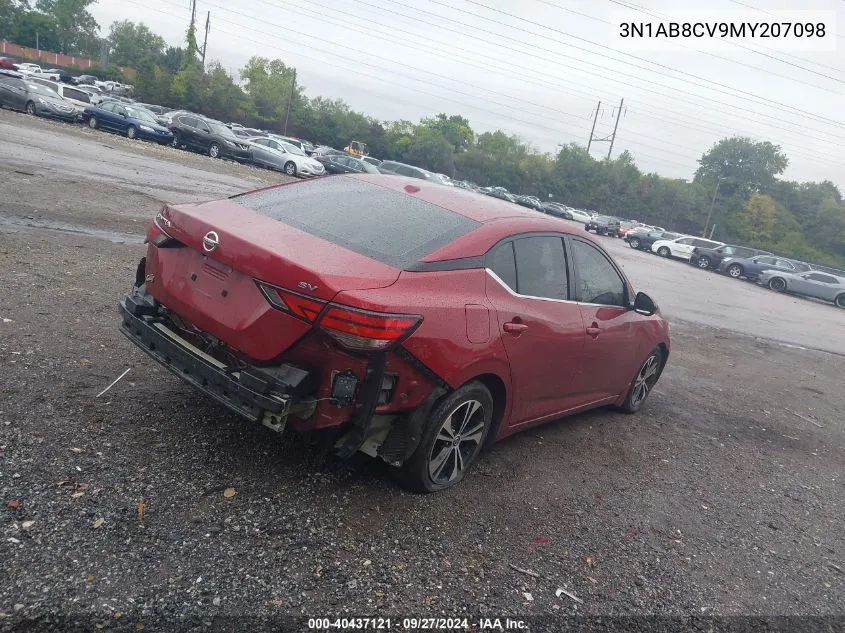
(777, 273)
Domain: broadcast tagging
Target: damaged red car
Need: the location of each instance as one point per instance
(408, 320)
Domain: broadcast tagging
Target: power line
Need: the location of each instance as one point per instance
(381, 78)
(767, 102)
(741, 93)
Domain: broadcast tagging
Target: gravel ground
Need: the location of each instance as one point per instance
(723, 497)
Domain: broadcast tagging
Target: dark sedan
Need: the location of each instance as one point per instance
(752, 267)
(345, 164)
(19, 94)
(194, 132)
(556, 209)
(643, 241)
(132, 121)
(711, 258)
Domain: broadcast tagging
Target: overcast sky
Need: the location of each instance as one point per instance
(538, 68)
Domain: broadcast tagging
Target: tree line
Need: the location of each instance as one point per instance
(738, 178)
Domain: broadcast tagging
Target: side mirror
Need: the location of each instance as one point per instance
(644, 304)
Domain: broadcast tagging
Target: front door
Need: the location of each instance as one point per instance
(541, 328)
(612, 345)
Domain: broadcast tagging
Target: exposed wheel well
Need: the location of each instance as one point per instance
(500, 399)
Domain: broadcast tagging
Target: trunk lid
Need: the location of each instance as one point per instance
(211, 280)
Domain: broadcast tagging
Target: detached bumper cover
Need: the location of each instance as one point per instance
(248, 392)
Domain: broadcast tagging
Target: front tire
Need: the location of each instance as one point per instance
(30, 108)
(840, 301)
(290, 168)
(634, 243)
(704, 262)
(735, 271)
(456, 432)
(664, 251)
(92, 122)
(778, 284)
(644, 381)
(214, 150)
(177, 142)
(131, 132)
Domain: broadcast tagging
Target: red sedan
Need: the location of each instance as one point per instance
(408, 320)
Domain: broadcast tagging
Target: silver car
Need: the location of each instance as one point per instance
(808, 284)
(274, 154)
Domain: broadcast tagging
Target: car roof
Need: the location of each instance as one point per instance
(475, 206)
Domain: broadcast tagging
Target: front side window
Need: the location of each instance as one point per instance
(598, 281)
(541, 267)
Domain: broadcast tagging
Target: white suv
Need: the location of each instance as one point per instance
(681, 247)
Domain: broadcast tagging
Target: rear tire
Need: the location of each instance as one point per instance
(664, 251)
(30, 108)
(840, 301)
(778, 284)
(456, 432)
(214, 150)
(177, 142)
(735, 271)
(92, 122)
(644, 381)
(704, 262)
(131, 132)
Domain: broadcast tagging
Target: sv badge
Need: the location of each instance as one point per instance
(306, 286)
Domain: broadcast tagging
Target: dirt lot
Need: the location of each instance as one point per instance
(722, 497)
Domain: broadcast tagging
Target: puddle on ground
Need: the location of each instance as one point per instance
(13, 224)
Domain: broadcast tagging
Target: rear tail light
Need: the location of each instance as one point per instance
(353, 328)
(365, 330)
(300, 306)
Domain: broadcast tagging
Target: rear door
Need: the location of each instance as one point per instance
(540, 327)
(815, 284)
(611, 346)
(683, 247)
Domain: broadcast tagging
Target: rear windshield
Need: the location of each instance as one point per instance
(386, 225)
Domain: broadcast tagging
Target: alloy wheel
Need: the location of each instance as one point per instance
(663, 251)
(777, 284)
(214, 150)
(704, 262)
(645, 379)
(92, 123)
(840, 301)
(456, 442)
(634, 243)
(735, 271)
(30, 108)
(130, 132)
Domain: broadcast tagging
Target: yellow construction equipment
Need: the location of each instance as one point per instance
(357, 148)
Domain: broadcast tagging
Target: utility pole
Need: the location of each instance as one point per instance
(205, 41)
(613, 138)
(595, 118)
(290, 98)
(712, 204)
(37, 47)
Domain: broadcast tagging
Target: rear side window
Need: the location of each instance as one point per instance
(541, 267)
(501, 261)
(386, 225)
(822, 278)
(70, 93)
(598, 281)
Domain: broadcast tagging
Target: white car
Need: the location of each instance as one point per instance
(34, 70)
(681, 247)
(580, 216)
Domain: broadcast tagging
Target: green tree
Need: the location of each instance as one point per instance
(745, 165)
(455, 130)
(132, 44)
(269, 84)
(76, 29)
(35, 30)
